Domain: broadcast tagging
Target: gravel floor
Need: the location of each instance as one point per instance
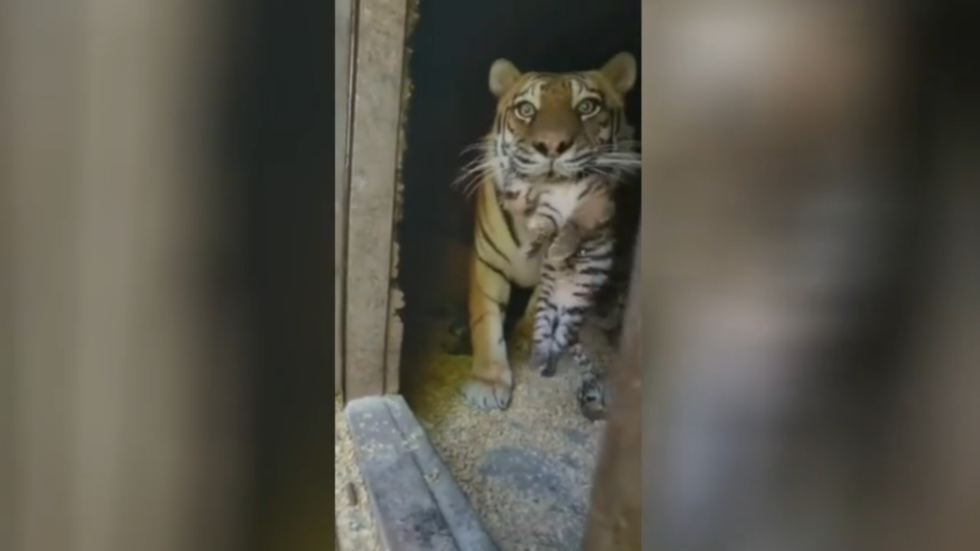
(526, 470)
(355, 524)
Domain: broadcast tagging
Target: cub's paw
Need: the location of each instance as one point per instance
(528, 251)
(592, 399)
(536, 224)
(539, 225)
(489, 390)
(565, 246)
(560, 252)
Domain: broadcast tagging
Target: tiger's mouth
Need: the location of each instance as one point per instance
(557, 170)
(550, 174)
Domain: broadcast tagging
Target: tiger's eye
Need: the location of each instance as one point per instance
(587, 107)
(525, 109)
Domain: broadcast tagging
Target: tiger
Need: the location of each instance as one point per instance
(549, 128)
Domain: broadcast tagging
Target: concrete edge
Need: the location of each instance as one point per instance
(418, 505)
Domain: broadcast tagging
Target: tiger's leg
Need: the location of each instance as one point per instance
(491, 379)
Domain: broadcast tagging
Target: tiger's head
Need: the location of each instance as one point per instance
(561, 126)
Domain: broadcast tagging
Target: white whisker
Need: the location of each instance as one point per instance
(474, 173)
(480, 147)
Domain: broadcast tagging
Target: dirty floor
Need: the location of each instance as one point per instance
(526, 470)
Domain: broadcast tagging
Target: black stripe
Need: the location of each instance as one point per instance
(500, 305)
(551, 218)
(548, 206)
(587, 86)
(554, 324)
(509, 220)
(547, 308)
(491, 267)
(585, 292)
(523, 94)
(589, 188)
(489, 240)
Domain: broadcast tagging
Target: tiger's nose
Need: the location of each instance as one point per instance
(552, 144)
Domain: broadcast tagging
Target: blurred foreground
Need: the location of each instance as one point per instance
(810, 284)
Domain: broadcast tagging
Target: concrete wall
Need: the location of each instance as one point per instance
(371, 343)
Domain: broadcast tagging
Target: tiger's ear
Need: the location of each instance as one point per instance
(503, 75)
(620, 71)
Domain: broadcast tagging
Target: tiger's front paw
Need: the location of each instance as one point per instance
(489, 386)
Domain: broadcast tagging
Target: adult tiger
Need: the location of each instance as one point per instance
(550, 127)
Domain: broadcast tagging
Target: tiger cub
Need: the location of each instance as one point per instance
(575, 218)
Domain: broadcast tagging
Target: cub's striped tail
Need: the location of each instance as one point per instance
(556, 330)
